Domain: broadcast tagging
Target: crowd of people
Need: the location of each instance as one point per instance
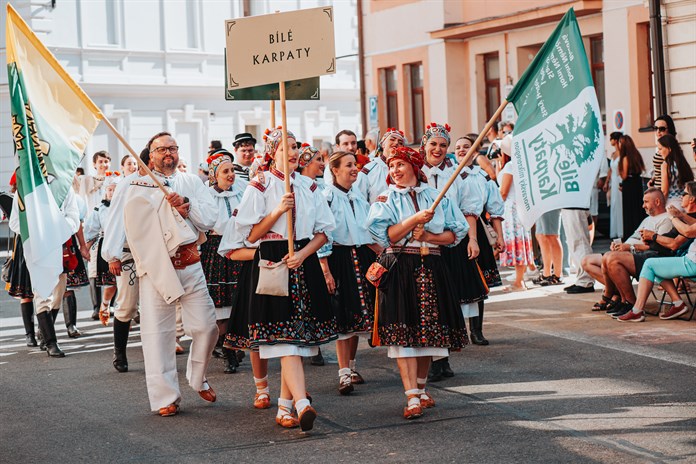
(364, 245)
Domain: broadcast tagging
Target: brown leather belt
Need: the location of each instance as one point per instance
(186, 255)
(414, 250)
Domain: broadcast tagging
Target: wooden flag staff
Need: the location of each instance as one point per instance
(135, 155)
(286, 167)
(469, 154)
(273, 118)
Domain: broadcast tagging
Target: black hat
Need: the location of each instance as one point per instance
(244, 137)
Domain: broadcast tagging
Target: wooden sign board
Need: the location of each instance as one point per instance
(279, 47)
(301, 89)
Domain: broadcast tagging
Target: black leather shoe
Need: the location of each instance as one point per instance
(618, 308)
(240, 355)
(574, 289)
(31, 340)
(317, 360)
(446, 369)
(54, 351)
(231, 363)
(120, 361)
(626, 307)
(435, 374)
(95, 314)
(477, 338)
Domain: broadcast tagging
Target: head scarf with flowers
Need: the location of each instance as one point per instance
(272, 140)
(215, 160)
(434, 130)
(111, 177)
(307, 154)
(410, 156)
(390, 132)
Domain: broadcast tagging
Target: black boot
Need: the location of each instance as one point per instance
(49, 335)
(95, 293)
(480, 325)
(121, 332)
(474, 331)
(446, 369)
(317, 360)
(218, 351)
(435, 374)
(27, 310)
(231, 361)
(70, 314)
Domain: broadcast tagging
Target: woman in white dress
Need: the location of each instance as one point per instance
(615, 199)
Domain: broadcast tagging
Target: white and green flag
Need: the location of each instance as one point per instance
(52, 121)
(557, 146)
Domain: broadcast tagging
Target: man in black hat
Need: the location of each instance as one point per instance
(244, 149)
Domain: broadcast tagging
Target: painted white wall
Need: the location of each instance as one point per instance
(154, 65)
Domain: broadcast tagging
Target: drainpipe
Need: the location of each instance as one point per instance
(361, 70)
(658, 58)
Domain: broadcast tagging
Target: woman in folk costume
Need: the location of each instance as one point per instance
(97, 220)
(494, 206)
(293, 326)
(311, 165)
(19, 281)
(418, 314)
(372, 178)
(221, 274)
(467, 195)
(345, 260)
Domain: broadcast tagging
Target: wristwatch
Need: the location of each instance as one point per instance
(633, 249)
(654, 237)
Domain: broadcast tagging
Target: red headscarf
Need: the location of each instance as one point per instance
(410, 156)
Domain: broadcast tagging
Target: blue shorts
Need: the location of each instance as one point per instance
(549, 223)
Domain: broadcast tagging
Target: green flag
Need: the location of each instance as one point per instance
(557, 145)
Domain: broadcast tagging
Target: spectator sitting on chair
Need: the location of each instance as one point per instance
(625, 260)
(662, 270)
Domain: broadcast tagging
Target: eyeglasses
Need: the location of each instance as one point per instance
(163, 150)
(661, 128)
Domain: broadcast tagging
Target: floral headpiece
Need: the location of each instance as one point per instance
(215, 160)
(410, 156)
(435, 130)
(272, 139)
(389, 133)
(111, 177)
(307, 154)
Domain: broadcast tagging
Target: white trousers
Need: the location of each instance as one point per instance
(54, 300)
(128, 285)
(158, 335)
(578, 239)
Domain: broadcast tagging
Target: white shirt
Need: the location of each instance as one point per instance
(227, 203)
(662, 223)
(372, 179)
(114, 230)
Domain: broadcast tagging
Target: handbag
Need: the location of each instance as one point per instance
(273, 278)
(377, 274)
(491, 235)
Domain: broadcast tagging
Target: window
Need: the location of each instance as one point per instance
(491, 76)
(101, 23)
(646, 92)
(392, 95)
(597, 68)
(417, 111)
(182, 25)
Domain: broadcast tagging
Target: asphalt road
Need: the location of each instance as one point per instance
(557, 384)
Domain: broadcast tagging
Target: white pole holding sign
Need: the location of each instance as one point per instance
(278, 48)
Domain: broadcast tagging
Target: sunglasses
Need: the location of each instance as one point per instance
(660, 128)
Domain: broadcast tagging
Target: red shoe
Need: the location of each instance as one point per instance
(632, 317)
(674, 312)
(426, 401)
(171, 410)
(287, 421)
(208, 394)
(307, 418)
(414, 411)
(262, 401)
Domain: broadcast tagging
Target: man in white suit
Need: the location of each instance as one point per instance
(162, 232)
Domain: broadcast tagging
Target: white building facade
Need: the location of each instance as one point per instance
(154, 65)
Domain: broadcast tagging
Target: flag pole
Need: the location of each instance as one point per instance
(469, 154)
(141, 164)
(273, 117)
(286, 166)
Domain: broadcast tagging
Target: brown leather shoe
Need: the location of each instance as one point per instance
(356, 378)
(412, 412)
(426, 400)
(208, 394)
(345, 386)
(287, 421)
(171, 410)
(262, 401)
(307, 418)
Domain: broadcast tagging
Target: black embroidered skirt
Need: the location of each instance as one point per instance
(222, 274)
(78, 277)
(486, 259)
(237, 337)
(305, 317)
(104, 277)
(468, 280)
(419, 307)
(19, 285)
(354, 300)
